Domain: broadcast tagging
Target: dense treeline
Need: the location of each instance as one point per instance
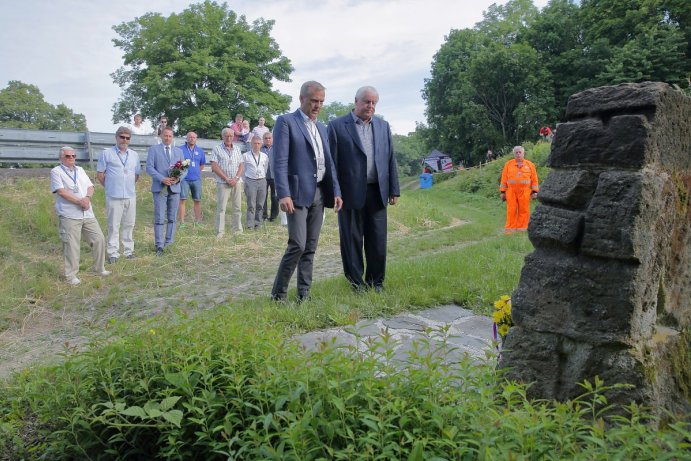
(496, 84)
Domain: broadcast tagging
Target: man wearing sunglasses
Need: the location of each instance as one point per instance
(118, 170)
(73, 191)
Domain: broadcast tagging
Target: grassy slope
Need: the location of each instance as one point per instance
(445, 246)
(454, 237)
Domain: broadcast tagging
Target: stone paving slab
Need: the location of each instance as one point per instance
(466, 333)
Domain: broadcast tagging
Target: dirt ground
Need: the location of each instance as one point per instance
(84, 316)
(45, 333)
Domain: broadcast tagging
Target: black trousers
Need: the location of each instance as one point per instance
(364, 228)
(270, 192)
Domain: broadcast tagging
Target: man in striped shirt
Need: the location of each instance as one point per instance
(227, 165)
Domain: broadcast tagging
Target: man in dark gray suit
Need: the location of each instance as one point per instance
(362, 150)
(305, 183)
(164, 187)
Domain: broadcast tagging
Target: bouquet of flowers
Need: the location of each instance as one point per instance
(502, 319)
(178, 168)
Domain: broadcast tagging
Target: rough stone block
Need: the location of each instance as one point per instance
(610, 218)
(556, 365)
(627, 97)
(551, 226)
(629, 214)
(529, 357)
(585, 299)
(620, 143)
(618, 304)
(568, 188)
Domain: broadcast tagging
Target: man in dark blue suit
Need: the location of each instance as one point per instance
(362, 150)
(305, 183)
(165, 189)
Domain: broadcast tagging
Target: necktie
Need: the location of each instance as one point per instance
(168, 153)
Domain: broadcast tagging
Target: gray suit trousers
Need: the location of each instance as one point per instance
(304, 226)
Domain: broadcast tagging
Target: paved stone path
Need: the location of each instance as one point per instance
(466, 332)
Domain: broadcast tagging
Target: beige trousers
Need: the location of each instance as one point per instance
(71, 233)
(225, 193)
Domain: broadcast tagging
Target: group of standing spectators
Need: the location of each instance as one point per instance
(304, 166)
(119, 168)
(349, 167)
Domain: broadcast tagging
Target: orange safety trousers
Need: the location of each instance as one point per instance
(518, 183)
(517, 207)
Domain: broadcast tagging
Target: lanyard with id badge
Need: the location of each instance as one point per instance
(75, 186)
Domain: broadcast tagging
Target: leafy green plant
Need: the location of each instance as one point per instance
(219, 389)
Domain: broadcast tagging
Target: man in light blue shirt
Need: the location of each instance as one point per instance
(118, 170)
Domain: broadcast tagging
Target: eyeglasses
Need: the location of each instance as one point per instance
(69, 156)
(124, 137)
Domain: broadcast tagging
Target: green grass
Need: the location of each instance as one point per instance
(186, 357)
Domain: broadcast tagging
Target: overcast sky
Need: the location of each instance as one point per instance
(65, 47)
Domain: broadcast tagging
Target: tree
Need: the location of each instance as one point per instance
(505, 23)
(22, 106)
(488, 89)
(409, 151)
(556, 34)
(657, 54)
(334, 110)
(493, 85)
(647, 39)
(448, 94)
(199, 68)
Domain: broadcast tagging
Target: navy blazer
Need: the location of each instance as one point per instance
(351, 161)
(158, 168)
(294, 162)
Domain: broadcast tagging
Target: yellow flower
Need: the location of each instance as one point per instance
(503, 330)
(497, 317)
(498, 304)
(505, 298)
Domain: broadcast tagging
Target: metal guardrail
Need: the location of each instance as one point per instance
(43, 146)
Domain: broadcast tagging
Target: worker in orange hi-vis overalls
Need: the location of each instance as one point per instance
(518, 185)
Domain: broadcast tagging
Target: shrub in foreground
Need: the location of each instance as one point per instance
(218, 389)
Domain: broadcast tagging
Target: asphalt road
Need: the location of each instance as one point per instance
(12, 173)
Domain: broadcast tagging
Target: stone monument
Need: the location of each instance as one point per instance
(607, 291)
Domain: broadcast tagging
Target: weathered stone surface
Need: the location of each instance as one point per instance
(667, 356)
(473, 325)
(367, 327)
(622, 201)
(530, 357)
(627, 97)
(622, 143)
(557, 365)
(446, 314)
(555, 226)
(568, 188)
(610, 218)
(407, 322)
(612, 300)
(314, 340)
(581, 298)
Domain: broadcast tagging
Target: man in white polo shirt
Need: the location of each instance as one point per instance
(73, 191)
